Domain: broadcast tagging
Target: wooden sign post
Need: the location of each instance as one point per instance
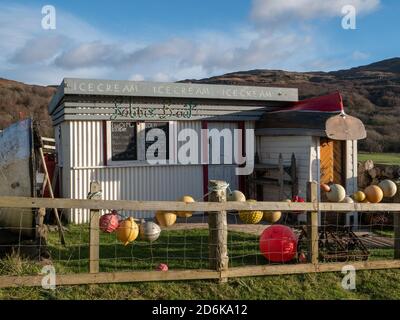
(312, 223)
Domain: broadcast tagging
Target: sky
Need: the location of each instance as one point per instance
(159, 40)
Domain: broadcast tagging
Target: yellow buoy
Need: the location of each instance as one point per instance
(165, 218)
(272, 216)
(127, 231)
(251, 217)
(359, 196)
(185, 214)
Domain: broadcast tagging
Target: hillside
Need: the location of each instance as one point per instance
(370, 92)
(19, 101)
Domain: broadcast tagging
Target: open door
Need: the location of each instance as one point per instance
(333, 165)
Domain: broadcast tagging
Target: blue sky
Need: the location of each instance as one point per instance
(178, 39)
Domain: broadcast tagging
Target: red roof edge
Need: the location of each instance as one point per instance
(328, 103)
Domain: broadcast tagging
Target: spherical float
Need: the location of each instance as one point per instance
(359, 196)
(272, 216)
(162, 267)
(374, 194)
(236, 195)
(109, 222)
(127, 231)
(347, 200)
(336, 193)
(278, 243)
(185, 214)
(388, 187)
(325, 187)
(149, 231)
(251, 217)
(165, 218)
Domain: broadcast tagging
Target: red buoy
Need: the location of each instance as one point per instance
(278, 243)
(109, 222)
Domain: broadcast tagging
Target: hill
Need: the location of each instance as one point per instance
(370, 92)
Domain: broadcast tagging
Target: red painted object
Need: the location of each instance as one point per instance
(109, 222)
(297, 199)
(278, 243)
(162, 267)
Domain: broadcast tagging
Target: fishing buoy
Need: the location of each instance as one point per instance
(185, 214)
(165, 218)
(388, 187)
(374, 194)
(236, 195)
(127, 231)
(336, 193)
(278, 243)
(149, 231)
(251, 217)
(347, 200)
(109, 222)
(272, 216)
(325, 187)
(359, 196)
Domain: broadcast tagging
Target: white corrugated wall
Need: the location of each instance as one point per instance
(83, 163)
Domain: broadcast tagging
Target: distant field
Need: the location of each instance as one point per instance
(382, 158)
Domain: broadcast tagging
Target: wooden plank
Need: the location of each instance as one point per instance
(326, 160)
(218, 229)
(312, 223)
(197, 274)
(94, 231)
(28, 202)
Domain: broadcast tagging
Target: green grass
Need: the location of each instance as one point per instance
(381, 158)
(189, 249)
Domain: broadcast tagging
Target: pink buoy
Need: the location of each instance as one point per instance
(162, 267)
(297, 199)
(109, 222)
(278, 243)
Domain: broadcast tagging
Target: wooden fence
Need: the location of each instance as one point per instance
(218, 268)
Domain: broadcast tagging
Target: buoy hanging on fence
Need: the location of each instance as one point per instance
(388, 187)
(236, 195)
(251, 216)
(109, 222)
(347, 200)
(165, 218)
(272, 216)
(278, 243)
(127, 231)
(336, 193)
(374, 194)
(149, 231)
(185, 214)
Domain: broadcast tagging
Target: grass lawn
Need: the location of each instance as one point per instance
(382, 158)
(188, 249)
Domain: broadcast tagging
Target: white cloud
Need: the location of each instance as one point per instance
(136, 77)
(276, 11)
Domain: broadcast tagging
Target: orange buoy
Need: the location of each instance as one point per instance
(325, 187)
(165, 218)
(127, 231)
(374, 194)
(185, 214)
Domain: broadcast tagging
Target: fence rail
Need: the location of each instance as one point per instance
(217, 238)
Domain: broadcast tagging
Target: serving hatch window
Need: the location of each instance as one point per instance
(124, 141)
(130, 142)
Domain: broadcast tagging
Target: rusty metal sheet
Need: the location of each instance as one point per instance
(16, 154)
(345, 127)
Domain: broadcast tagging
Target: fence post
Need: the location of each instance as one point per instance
(218, 229)
(94, 231)
(312, 223)
(396, 223)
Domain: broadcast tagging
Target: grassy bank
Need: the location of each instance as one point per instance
(381, 158)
